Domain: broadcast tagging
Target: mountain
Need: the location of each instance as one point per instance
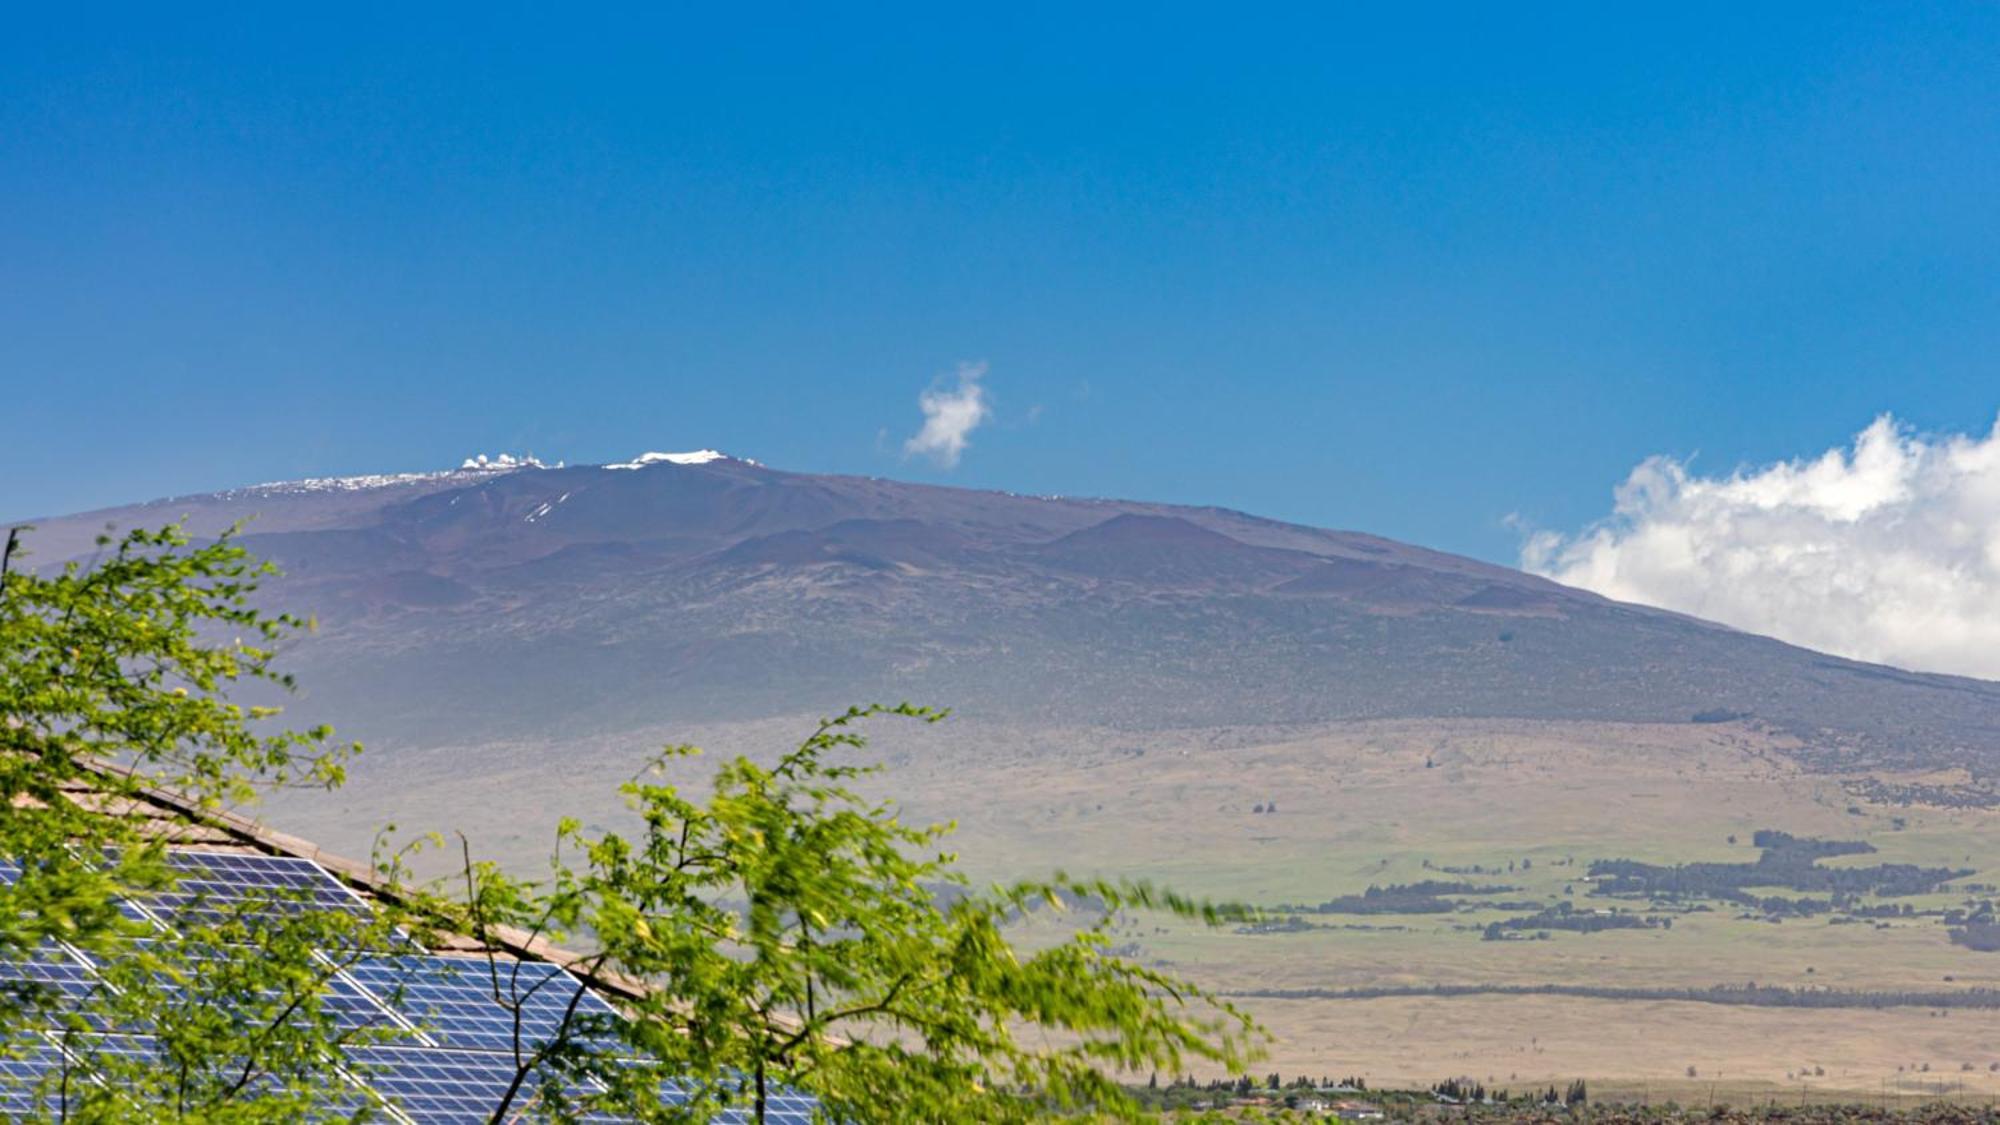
(512, 600)
(1243, 709)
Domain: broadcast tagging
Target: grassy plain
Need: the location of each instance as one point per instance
(1393, 802)
(1639, 1050)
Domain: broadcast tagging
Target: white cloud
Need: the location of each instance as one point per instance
(951, 413)
(1886, 550)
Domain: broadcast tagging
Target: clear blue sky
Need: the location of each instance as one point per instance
(1407, 273)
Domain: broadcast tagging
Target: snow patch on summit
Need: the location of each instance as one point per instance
(471, 468)
(698, 457)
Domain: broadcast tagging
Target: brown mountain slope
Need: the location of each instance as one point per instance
(485, 605)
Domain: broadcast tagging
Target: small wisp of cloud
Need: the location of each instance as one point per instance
(953, 408)
(1886, 550)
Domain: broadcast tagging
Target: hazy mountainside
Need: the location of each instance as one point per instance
(502, 601)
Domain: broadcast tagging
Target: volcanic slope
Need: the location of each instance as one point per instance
(505, 601)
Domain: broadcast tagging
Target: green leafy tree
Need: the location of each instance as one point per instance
(803, 938)
(782, 935)
(115, 677)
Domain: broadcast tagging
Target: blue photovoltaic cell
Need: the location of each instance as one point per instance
(344, 1101)
(353, 1007)
(456, 1071)
(51, 986)
(465, 1002)
(444, 1085)
(350, 1005)
(213, 885)
(440, 1086)
(781, 1107)
(10, 872)
(23, 1068)
(51, 969)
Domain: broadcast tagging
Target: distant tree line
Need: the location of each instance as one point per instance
(1426, 897)
(1980, 795)
(1981, 936)
(1747, 995)
(1563, 916)
(1468, 1091)
(1786, 861)
(1781, 907)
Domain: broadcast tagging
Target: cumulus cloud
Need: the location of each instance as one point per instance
(952, 410)
(1886, 550)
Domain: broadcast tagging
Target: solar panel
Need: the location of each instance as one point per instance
(350, 1006)
(47, 976)
(790, 1109)
(443, 1086)
(11, 871)
(460, 1013)
(446, 1085)
(51, 990)
(214, 885)
(465, 1002)
(140, 1047)
(338, 1099)
(28, 1076)
(353, 1007)
(781, 1106)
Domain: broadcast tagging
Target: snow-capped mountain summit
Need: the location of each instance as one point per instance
(478, 465)
(697, 457)
(694, 584)
(471, 468)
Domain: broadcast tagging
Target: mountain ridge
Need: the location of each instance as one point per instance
(696, 586)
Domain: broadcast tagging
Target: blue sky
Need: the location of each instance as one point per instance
(1406, 272)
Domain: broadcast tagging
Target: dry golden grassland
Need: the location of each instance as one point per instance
(1392, 802)
(1636, 1048)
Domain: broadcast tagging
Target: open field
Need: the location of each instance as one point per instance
(1638, 1049)
(1399, 803)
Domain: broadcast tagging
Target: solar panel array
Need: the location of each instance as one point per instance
(457, 1020)
(452, 999)
(211, 885)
